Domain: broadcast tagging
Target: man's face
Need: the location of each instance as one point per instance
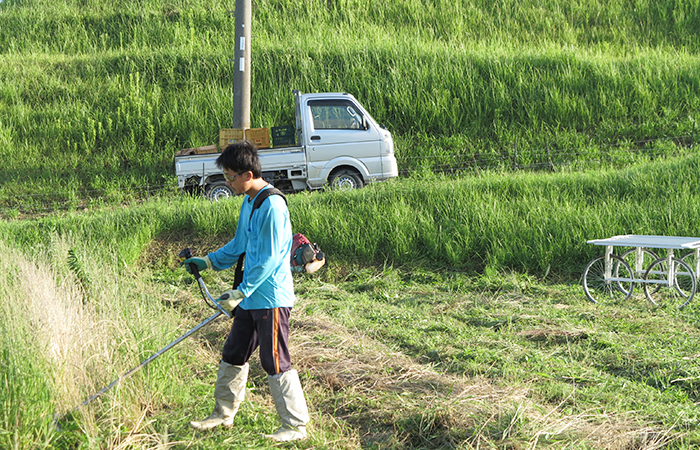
(236, 180)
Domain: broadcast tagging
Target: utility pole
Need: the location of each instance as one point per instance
(241, 72)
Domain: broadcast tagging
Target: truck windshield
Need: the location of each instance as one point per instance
(335, 115)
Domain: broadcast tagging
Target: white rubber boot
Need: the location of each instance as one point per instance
(291, 406)
(228, 394)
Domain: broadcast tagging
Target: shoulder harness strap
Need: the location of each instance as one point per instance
(263, 195)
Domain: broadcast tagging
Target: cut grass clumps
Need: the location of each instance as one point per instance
(520, 366)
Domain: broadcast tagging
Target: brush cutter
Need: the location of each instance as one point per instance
(208, 299)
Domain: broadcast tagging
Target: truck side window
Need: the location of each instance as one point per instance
(335, 115)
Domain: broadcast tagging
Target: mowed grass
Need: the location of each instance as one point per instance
(397, 347)
(506, 361)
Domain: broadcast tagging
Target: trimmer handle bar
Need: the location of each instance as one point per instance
(186, 253)
(208, 299)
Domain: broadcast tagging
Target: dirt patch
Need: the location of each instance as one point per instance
(164, 249)
(554, 336)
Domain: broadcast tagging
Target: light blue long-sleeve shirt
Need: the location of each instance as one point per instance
(266, 239)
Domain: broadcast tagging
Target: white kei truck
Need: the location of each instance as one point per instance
(335, 143)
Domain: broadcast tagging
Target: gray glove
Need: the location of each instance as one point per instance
(230, 299)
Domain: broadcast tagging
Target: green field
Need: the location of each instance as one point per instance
(450, 313)
(96, 97)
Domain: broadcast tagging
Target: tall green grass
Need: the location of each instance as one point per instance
(532, 223)
(524, 222)
(96, 97)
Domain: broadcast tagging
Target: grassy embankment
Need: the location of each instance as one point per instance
(395, 349)
(95, 97)
(449, 315)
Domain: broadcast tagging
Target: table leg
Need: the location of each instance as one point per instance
(608, 262)
(639, 261)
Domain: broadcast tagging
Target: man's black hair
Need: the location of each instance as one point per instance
(240, 157)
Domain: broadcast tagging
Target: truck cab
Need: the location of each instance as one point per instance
(345, 147)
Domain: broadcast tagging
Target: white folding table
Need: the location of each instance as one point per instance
(614, 276)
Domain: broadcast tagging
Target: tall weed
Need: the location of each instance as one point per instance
(72, 323)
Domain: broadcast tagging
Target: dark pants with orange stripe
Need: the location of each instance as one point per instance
(264, 328)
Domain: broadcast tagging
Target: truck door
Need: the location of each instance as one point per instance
(340, 133)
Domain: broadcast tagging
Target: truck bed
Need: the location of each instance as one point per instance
(270, 158)
(292, 159)
(282, 158)
(196, 165)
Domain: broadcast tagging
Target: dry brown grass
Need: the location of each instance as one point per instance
(64, 329)
(79, 341)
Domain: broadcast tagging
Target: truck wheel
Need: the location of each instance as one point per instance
(345, 179)
(218, 191)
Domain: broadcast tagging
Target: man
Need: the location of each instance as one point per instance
(262, 301)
